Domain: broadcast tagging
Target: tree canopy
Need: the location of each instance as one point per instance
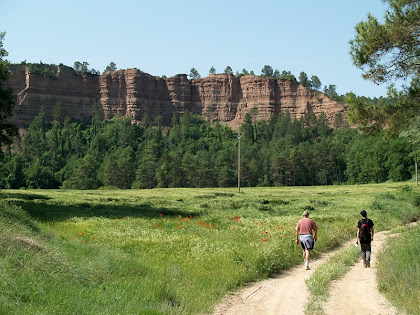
(267, 71)
(191, 152)
(316, 82)
(194, 74)
(389, 50)
(83, 68)
(228, 70)
(304, 80)
(386, 52)
(111, 67)
(7, 130)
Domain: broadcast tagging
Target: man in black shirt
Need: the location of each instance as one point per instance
(365, 237)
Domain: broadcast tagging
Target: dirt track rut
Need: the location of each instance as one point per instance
(287, 292)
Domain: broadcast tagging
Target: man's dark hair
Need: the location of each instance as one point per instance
(363, 213)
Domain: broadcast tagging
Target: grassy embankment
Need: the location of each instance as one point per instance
(164, 251)
(399, 271)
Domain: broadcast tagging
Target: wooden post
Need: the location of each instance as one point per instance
(415, 165)
(239, 158)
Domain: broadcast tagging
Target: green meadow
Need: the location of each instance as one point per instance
(169, 251)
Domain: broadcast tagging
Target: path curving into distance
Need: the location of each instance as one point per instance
(287, 292)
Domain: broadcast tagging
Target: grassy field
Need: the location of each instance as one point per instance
(168, 251)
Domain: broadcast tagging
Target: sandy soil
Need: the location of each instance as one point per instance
(287, 293)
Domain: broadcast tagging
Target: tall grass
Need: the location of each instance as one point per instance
(399, 271)
(168, 251)
(35, 277)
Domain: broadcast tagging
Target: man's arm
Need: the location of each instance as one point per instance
(357, 237)
(316, 235)
(372, 233)
(297, 236)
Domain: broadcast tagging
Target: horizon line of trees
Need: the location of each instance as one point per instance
(191, 152)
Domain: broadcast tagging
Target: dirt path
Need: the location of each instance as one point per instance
(359, 284)
(287, 293)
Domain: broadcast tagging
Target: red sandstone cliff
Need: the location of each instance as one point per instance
(218, 97)
(32, 91)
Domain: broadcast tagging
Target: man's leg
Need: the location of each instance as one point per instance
(363, 248)
(364, 258)
(308, 256)
(368, 253)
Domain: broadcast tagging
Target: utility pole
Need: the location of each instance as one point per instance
(415, 158)
(239, 158)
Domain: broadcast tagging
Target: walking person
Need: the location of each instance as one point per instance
(365, 237)
(304, 230)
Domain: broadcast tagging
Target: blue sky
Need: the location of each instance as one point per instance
(169, 37)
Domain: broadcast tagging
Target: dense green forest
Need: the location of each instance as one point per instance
(191, 152)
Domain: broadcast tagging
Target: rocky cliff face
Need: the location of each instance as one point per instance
(32, 91)
(218, 97)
